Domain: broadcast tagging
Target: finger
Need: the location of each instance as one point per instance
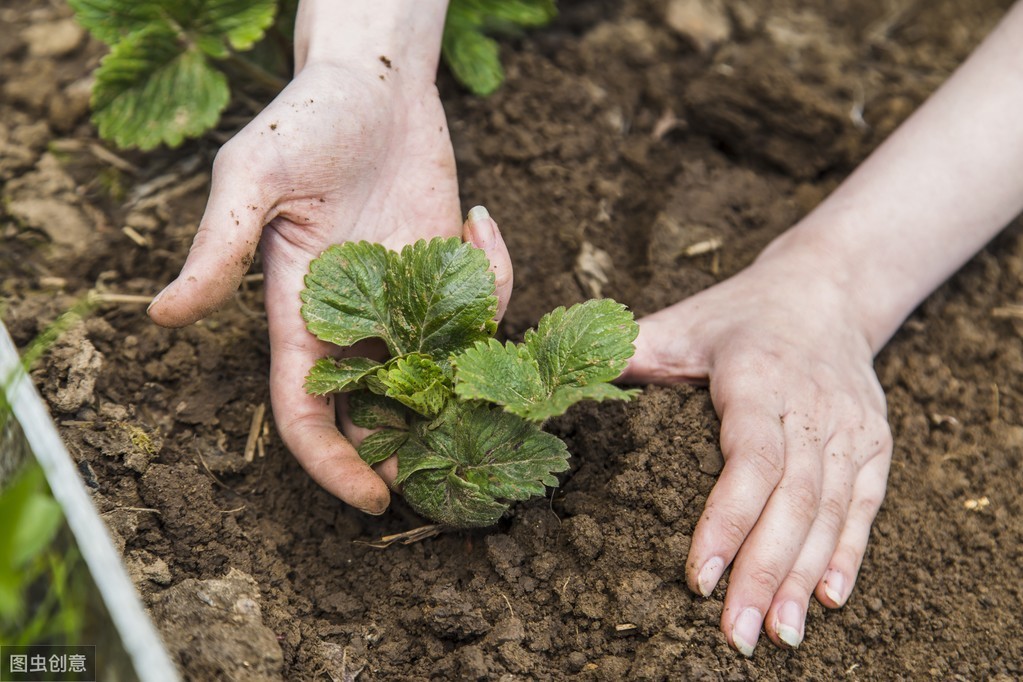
(307, 423)
(835, 587)
(222, 250)
(664, 353)
(481, 231)
(785, 622)
(388, 469)
(752, 442)
(773, 545)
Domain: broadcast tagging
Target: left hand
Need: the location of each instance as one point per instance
(804, 435)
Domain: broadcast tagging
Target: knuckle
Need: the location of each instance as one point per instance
(764, 579)
(804, 497)
(832, 514)
(729, 526)
(733, 530)
(869, 504)
(766, 460)
(803, 579)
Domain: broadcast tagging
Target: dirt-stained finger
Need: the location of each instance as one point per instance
(481, 231)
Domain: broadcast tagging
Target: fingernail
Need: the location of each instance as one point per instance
(482, 226)
(834, 586)
(789, 624)
(746, 631)
(710, 574)
(156, 299)
(371, 512)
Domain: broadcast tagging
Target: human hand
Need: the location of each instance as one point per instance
(804, 435)
(338, 156)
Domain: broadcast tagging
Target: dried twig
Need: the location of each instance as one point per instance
(406, 538)
(133, 509)
(103, 297)
(508, 602)
(107, 156)
(1012, 311)
(255, 427)
(134, 235)
(706, 246)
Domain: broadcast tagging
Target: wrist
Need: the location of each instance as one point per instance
(820, 256)
(399, 40)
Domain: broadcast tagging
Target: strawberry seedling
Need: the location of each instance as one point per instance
(162, 81)
(461, 410)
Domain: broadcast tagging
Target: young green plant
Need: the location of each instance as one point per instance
(163, 82)
(461, 410)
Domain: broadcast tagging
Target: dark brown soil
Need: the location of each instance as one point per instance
(615, 145)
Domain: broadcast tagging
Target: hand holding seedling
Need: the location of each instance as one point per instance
(353, 149)
(460, 411)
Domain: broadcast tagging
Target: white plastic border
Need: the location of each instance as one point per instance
(138, 635)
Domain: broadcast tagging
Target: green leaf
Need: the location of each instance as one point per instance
(241, 22)
(441, 294)
(345, 299)
(474, 59)
(152, 90)
(111, 20)
(570, 357)
(378, 446)
(215, 25)
(442, 496)
(29, 518)
(497, 14)
(503, 374)
(435, 297)
(333, 375)
(588, 343)
(372, 411)
(418, 382)
(480, 457)
(567, 396)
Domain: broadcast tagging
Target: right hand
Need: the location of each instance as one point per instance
(337, 156)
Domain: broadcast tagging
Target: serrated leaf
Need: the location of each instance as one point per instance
(345, 300)
(567, 396)
(588, 343)
(372, 411)
(444, 497)
(435, 297)
(378, 446)
(337, 375)
(570, 357)
(212, 24)
(152, 90)
(503, 374)
(482, 456)
(417, 382)
(111, 20)
(441, 294)
(241, 22)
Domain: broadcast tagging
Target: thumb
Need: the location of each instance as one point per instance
(667, 352)
(482, 232)
(221, 252)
